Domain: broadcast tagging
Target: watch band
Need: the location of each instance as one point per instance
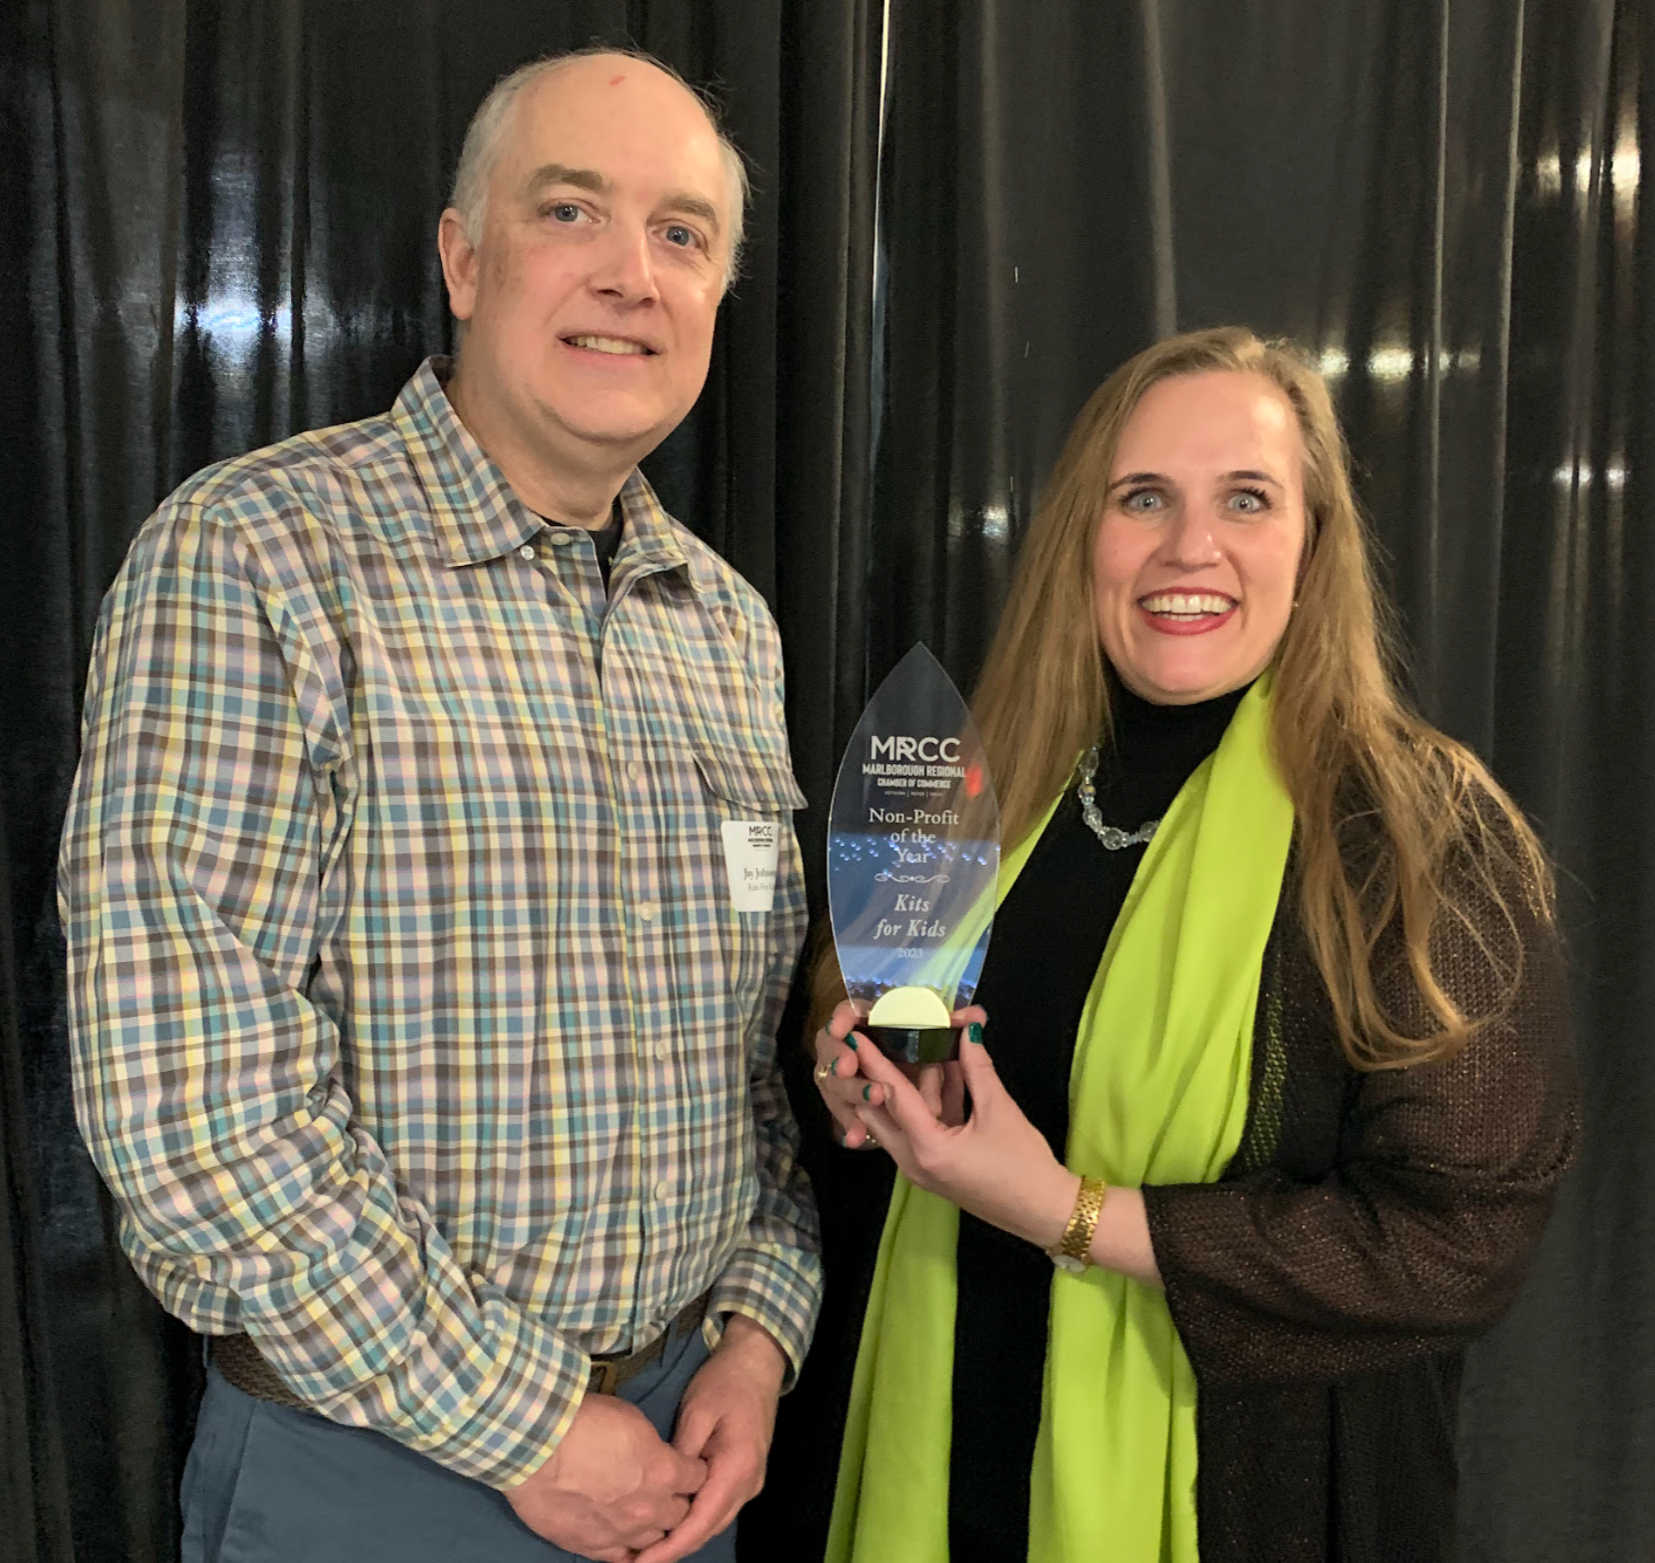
(1071, 1252)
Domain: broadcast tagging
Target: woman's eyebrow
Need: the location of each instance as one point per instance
(1138, 477)
(1242, 474)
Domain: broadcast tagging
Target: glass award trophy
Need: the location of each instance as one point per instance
(913, 860)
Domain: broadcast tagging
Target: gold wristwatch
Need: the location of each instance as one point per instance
(1071, 1253)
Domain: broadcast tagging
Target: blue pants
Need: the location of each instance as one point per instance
(265, 1484)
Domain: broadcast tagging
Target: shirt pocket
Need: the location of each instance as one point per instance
(753, 786)
(753, 783)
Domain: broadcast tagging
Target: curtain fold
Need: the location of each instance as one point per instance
(33, 1472)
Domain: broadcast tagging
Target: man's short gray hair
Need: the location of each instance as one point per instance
(481, 148)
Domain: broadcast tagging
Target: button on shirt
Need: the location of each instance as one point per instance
(414, 1028)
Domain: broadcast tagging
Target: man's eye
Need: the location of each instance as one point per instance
(564, 212)
(681, 237)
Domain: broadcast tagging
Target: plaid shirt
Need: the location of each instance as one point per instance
(414, 1028)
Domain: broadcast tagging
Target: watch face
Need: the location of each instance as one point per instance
(1065, 1262)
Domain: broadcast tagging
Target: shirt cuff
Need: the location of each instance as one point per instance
(507, 1428)
(779, 1288)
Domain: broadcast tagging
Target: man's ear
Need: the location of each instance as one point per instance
(459, 264)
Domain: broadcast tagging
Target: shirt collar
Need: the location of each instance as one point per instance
(648, 542)
(475, 513)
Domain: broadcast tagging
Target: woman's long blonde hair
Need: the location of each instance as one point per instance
(1399, 830)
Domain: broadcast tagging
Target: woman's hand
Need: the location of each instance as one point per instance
(837, 1077)
(997, 1165)
(845, 1086)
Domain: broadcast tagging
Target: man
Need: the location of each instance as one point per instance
(431, 895)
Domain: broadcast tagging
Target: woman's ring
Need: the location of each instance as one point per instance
(822, 1071)
(869, 1143)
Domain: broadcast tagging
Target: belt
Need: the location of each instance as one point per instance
(611, 1371)
(243, 1366)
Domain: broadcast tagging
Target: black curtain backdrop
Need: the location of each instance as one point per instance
(220, 220)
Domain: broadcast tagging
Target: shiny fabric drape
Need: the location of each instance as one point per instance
(219, 218)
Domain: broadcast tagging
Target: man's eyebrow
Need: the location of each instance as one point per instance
(684, 202)
(688, 204)
(559, 174)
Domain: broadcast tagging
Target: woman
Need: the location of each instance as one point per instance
(1280, 1075)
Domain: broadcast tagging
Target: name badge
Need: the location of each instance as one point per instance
(751, 848)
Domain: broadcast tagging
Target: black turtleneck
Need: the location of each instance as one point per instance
(1048, 939)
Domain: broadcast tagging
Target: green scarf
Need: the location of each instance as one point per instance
(1158, 1095)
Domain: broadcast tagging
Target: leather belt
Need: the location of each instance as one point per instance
(611, 1371)
(244, 1367)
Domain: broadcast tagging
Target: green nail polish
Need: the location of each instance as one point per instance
(867, 1093)
(974, 1033)
(851, 1038)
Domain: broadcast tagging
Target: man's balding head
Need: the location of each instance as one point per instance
(480, 151)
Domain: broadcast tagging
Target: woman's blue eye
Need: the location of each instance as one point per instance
(1142, 499)
(1250, 501)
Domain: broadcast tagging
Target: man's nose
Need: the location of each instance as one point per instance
(624, 269)
(1191, 539)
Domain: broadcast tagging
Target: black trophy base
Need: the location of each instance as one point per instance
(914, 1044)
